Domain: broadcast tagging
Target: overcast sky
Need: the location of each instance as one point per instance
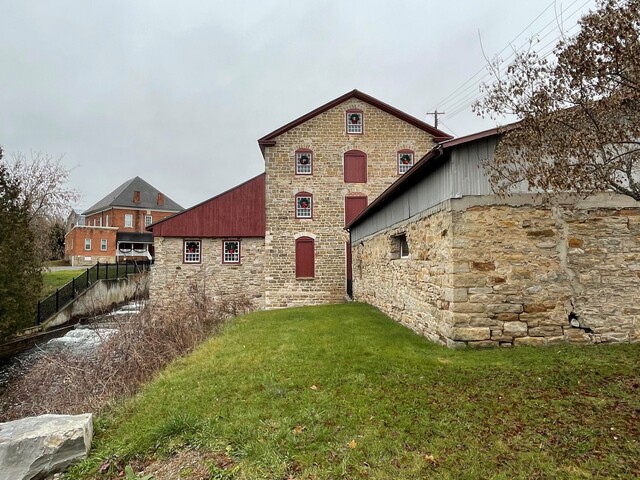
(178, 92)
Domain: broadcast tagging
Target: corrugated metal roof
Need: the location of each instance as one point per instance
(238, 212)
(123, 196)
(424, 167)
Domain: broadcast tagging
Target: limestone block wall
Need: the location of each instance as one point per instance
(515, 275)
(171, 277)
(384, 135)
(416, 291)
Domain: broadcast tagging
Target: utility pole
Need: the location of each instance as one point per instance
(435, 116)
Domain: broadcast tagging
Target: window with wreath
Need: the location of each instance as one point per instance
(231, 251)
(355, 121)
(304, 205)
(304, 162)
(405, 161)
(192, 251)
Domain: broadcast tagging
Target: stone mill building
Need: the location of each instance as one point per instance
(361, 200)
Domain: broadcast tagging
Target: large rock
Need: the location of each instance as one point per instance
(34, 447)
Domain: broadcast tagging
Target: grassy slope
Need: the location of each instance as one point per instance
(54, 280)
(343, 392)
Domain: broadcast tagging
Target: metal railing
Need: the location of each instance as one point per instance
(63, 295)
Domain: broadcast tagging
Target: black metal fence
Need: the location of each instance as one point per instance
(63, 295)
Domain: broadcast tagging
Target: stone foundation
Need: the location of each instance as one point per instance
(505, 275)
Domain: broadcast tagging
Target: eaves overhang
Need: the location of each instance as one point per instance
(269, 140)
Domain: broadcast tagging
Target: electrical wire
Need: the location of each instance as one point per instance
(464, 96)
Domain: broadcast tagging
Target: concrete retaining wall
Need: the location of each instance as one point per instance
(101, 295)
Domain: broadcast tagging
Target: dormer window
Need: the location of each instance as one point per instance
(354, 121)
(304, 162)
(405, 161)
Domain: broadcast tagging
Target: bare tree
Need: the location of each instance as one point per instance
(44, 184)
(579, 110)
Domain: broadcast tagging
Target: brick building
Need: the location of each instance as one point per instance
(320, 171)
(115, 227)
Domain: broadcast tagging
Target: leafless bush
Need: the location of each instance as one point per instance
(70, 383)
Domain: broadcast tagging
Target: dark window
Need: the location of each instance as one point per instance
(231, 251)
(404, 246)
(305, 257)
(304, 205)
(352, 207)
(355, 167)
(191, 249)
(304, 162)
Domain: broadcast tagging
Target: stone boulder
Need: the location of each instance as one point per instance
(34, 447)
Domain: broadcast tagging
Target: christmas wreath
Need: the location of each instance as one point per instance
(231, 248)
(304, 159)
(354, 118)
(405, 159)
(303, 203)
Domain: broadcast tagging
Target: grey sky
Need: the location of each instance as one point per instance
(179, 92)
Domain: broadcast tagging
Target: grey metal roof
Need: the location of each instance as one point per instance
(123, 197)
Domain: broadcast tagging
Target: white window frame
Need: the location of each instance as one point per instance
(231, 258)
(304, 212)
(304, 169)
(196, 255)
(87, 243)
(354, 128)
(128, 220)
(103, 244)
(404, 246)
(148, 220)
(402, 168)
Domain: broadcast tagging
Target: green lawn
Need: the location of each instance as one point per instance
(342, 391)
(53, 280)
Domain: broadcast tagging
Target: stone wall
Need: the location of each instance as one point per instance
(416, 291)
(384, 135)
(171, 277)
(522, 274)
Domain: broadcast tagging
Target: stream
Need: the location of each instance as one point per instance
(84, 338)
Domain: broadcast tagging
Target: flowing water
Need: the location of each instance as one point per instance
(83, 338)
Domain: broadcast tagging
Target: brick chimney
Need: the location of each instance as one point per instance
(136, 197)
(160, 199)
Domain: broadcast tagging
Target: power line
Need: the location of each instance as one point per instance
(505, 62)
(465, 94)
(467, 101)
(517, 36)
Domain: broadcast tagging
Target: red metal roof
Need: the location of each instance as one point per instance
(438, 135)
(238, 212)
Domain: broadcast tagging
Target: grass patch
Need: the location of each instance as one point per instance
(342, 391)
(51, 281)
